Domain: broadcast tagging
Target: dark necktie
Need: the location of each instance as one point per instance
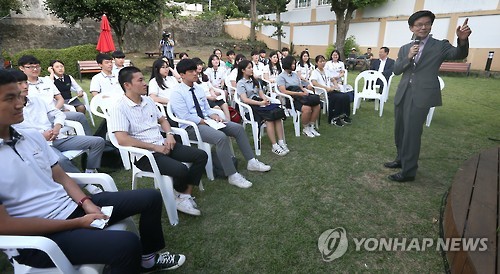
(196, 104)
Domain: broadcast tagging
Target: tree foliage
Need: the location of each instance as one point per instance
(344, 10)
(277, 7)
(119, 12)
(6, 6)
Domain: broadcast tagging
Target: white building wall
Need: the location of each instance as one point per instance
(391, 8)
(485, 32)
(296, 16)
(366, 34)
(311, 35)
(396, 33)
(452, 6)
(323, 13)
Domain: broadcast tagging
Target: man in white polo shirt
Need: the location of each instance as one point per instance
(38, 198)
(134, 121)
(105, 81)
(44, 88)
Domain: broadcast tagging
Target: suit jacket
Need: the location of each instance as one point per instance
(424, 87)
(388, 68)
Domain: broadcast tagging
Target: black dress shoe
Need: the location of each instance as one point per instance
(393, 164)
(398, 177)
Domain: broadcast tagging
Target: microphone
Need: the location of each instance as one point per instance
(416, 41)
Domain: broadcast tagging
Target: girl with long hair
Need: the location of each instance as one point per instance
(304, 68)
(163, 79)
(250, 92)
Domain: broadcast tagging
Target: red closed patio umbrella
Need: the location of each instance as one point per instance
(105, 42)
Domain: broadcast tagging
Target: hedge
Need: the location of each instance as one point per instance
(68, 55)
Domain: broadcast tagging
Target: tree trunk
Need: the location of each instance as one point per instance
(253, 19)
(343, 20)
(120, 32)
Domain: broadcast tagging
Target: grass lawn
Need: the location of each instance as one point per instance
(336, 180)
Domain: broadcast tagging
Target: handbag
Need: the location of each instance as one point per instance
(271, 112)
(309, 100)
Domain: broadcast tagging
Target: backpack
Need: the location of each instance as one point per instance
(218, 170)
(235, 116)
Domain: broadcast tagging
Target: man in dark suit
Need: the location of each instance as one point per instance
(418, 89)
(384, 65)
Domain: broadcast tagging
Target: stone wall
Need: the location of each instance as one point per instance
(17, 34)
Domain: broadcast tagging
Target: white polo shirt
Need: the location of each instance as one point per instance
(334, 68)
(45, 89)
(170, 82)
(37, 114)
(27, 188)
(139, 121)
(102, 83)
(216, 77)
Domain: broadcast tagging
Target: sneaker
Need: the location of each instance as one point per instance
(346, 120)
(239, 181)
(278, 150)
(337, 122)
(314, 131)
(284, 147)
(307, 132)
(92, 189)
(256, 165)
(193, 202)
(165, 261)
(185, 205)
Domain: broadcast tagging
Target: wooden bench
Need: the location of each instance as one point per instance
(455, 67)
(472, 211)
(92, 67)
(152, 54)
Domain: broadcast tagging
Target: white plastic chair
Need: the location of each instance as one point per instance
(431, 110)
(294, 113)
(87, 107)
(369, 90)
(162, 182)
(10, 244)
(323, 95)
(99, 106)
(389, 86)
(257, 134)
(199, 142)
(72, 128)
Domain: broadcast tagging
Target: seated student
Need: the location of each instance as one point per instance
(262, 57)
(231, 56)
(352, 59)
(38, 198)
(189, 103)
(289, 83)
(338, 103)
(48, 121)
(162, 81)
(384, 64)
(304, 68)
(183, 55)
(134, 121)
(274, 67)
(234, 72)
(213, 94)
(105, 81)
(119, 61)
(258, 67)
(250, 92)
(44, 88)
(66, 84)
(215, 72)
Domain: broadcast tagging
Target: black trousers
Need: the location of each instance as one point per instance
(338, 103)
(120, 250)
(171, 165)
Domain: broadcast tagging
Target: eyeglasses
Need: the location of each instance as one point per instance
(33, 67)
(420, 25)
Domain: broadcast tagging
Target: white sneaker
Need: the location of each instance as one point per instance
(278, 150)
(307, 132)
(185, 205)
(284, 147)
(313, 130)
(239, 181)
(255, 165)
(92, 189)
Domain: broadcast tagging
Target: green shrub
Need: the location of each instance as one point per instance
(350, 42)
(68, 55)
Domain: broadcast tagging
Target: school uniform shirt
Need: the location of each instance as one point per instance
(102, 83)
(170, 82)
(44, 89)
(334, 68)
(27, 189)
(216, 77)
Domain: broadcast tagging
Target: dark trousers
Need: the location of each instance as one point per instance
(338, 103)
(120, 250)
(409, 122)
(171, 165)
